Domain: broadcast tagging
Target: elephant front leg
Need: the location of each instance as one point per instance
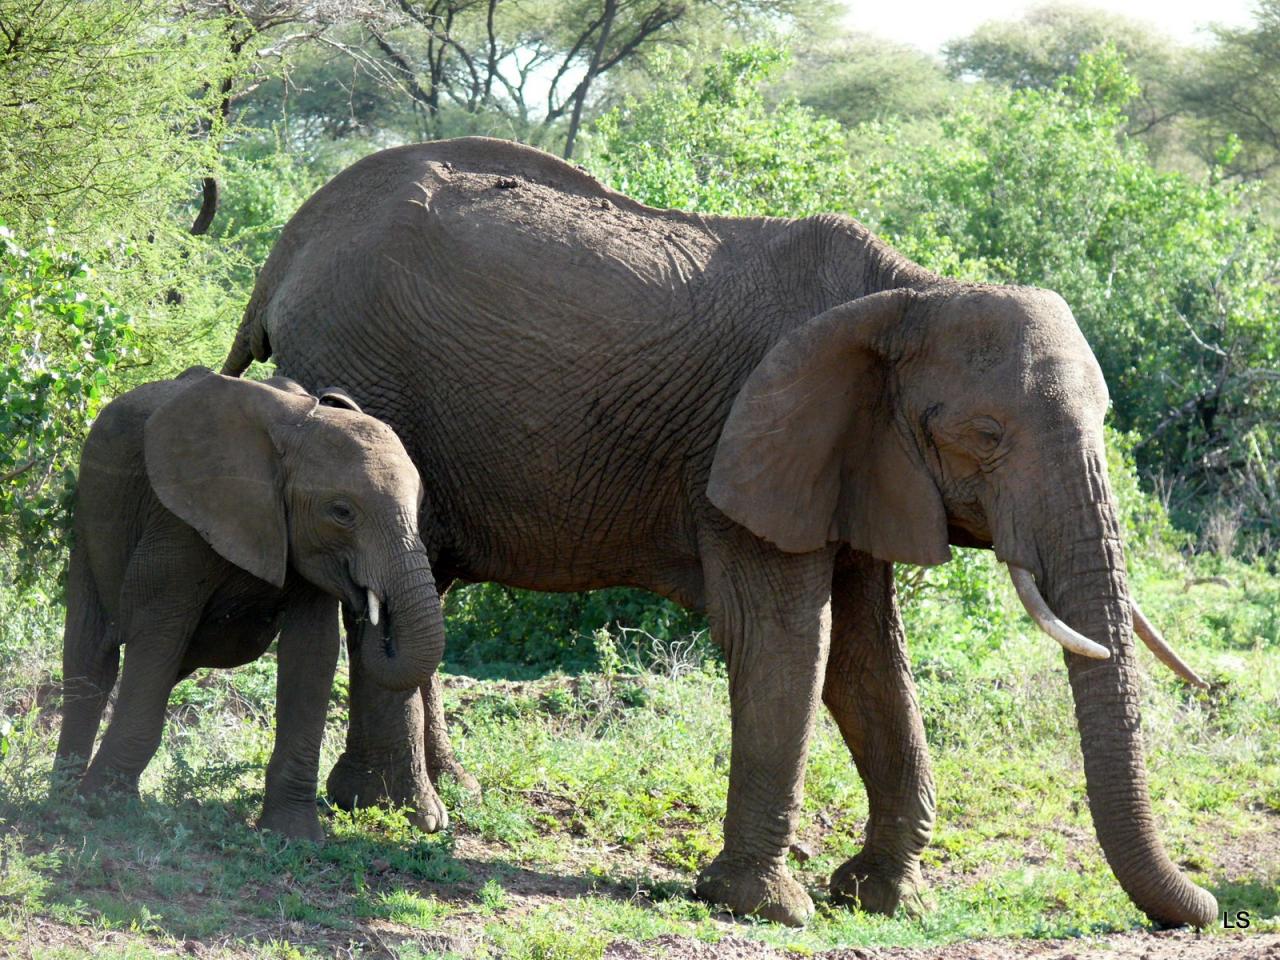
(872, 698)
(385, 760)
(307, 658)
(440, 756)
(769, 612)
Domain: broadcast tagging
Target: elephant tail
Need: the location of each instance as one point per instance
(251, 342)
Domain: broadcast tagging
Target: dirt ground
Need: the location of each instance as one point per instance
(380, 940)
(1177, 945)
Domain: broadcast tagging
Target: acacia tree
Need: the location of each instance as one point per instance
(1048, 44)
(858, 77)
(534, 67)
(1236, 95)
(97, 112)
(486, 55)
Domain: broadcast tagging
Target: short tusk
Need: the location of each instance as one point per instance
(1045, 619)
(1160, 647)
(374, 609)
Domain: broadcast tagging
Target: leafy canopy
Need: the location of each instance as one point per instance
(60, 344)
(1171, 279)
(99, 101)
(716, 146)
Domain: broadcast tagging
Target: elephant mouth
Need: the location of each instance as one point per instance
(373, 621)
(378, 616)
(959, 535)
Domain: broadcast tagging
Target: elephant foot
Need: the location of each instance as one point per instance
(298, 822)
(103, 782)
(353, 785)
(468, 784)
(875, 887)
(764, 890)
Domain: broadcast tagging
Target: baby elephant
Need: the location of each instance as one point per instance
(213, 514)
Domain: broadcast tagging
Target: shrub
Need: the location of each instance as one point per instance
(60, 343)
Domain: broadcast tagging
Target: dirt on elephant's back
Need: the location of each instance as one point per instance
(1177, 944)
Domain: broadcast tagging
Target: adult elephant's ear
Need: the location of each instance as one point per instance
(812, 451)
(212, 459)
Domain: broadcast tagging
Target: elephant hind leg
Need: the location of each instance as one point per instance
(871, 696)
(90, 664)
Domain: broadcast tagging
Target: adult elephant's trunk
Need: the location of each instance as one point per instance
(1086, 586)
(404, 647)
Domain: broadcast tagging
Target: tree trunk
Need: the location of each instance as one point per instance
(580, 95)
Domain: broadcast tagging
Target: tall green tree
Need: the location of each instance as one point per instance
(855, 78)
(716, 145)
(101, 102)
(1236, 95)
(1047, 44)
(1173, 279)
(536, 70)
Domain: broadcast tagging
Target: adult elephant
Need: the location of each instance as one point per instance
(756, 417)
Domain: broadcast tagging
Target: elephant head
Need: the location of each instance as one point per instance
(272, 478)
(907, 421)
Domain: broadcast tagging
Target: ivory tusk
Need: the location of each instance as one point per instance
(1160, 647)
(1045, 619)
(374, 609)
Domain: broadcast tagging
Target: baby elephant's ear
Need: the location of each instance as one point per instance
(213, 463)
(337, 397)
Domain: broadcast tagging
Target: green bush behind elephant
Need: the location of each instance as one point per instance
(754, 417)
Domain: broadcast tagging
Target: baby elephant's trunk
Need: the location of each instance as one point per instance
(403, 648)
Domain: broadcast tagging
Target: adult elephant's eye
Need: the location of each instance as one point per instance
(342, 513)
(985, 434)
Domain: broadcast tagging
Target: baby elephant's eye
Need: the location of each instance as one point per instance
(342, 513)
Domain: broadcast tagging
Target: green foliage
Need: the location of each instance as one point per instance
(716, 146)
(1170, 279)
(101, 100)
(1236, 94)
(1051, 41)
(493, 628)
(60, 344)
(855, 78)
(262, 187)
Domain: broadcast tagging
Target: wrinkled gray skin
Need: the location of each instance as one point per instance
(755, 417)
(212, 514)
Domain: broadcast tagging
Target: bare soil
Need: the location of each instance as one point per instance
(1176, 945)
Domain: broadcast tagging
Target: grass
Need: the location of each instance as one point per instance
(604, 794)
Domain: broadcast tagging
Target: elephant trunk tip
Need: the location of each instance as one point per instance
(1199, 908)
